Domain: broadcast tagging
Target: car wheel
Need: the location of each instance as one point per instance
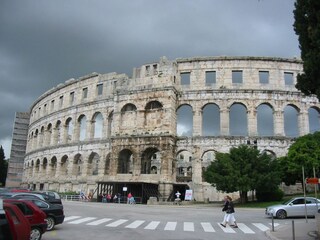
(51, 223)
(35, 234)
(281, 214)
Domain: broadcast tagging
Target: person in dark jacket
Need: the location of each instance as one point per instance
(228, 208)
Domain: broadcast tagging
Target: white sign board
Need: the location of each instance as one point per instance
(188, 195)
(124, 189)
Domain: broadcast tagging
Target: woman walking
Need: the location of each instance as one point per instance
(228, 208)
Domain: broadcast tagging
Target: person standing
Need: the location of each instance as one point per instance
(228, 208)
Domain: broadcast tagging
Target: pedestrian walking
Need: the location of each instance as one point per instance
(228, 208)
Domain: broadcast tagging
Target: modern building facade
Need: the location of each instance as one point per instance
(156, 132)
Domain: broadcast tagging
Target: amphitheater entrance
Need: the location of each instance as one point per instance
(141, 191)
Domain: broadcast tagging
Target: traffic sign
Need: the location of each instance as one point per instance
(312, 180)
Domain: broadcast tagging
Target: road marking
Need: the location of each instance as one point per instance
(275, 224)
(71, 218)
(227, 229)
(261, 226)
(103, 220)
(244, 228)
(153, 225)
(188, 226)
(82, 220)
(135, 224)
(117, 223)
(207, 227)
(170, 226)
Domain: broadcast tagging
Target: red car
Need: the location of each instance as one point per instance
(35, 216)
(13, 224)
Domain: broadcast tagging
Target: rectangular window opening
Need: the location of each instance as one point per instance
(210, 77)
(185, 78)
(71, 98)
(99, 89)
(237, 76)
(264, 77)
(288, 78)
(84, 93)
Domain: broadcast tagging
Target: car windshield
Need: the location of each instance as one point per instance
(291, 201)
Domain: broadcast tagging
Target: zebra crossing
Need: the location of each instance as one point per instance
(209, 227)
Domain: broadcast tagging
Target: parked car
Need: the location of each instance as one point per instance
(13, 224)
(35, 216)
(54, 212)
(7, 195)
(50, 196)
(295, 207)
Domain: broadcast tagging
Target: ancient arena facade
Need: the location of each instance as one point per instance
(155, 133)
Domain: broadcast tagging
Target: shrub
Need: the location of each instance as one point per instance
(269, 196)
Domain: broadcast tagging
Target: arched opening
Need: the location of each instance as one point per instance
(211, 120)
(125, 162)
(185, 121)
(291, 126)
(265, 123)
(238, 120)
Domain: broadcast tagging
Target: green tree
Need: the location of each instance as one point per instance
(307, 27)
(304, 152)
(3, 167)
(243, 169)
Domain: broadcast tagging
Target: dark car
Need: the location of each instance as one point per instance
(50, 196)
(13, 224)
(7, 195)
(54, 212)
(35, 216)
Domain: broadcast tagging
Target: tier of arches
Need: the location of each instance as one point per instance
(263, 120)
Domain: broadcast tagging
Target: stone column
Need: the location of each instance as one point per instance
(252, 122)
(224, 122)
(197, 123)
(303, 123)
(196, 165)
(278, 123)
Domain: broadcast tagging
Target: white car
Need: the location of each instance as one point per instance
(295, 207)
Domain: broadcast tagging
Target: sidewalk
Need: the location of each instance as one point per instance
(303, 231)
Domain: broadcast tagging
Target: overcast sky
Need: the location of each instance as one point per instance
(44, 43)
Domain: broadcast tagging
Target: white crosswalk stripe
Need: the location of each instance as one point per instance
(135, 224)
(188, 226)
(117, 223)
(82, 220)
(170, 226)
(208, 227)
(100, 221)
(153, 225)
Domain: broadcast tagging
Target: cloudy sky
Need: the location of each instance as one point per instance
(44, 43)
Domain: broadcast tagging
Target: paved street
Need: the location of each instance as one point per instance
(85, 220)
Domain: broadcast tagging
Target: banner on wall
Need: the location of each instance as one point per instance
(188, 195)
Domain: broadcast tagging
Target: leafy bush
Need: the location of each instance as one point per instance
(269, 196)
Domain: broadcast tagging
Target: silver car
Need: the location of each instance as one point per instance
(295, 207)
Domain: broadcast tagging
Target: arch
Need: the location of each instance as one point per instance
(82, 121)
(125, 161)
(58, 130)
(53, 166)
(44, 163)
(265, 121)
(77, 165)
(291, 124)
(37, 166)
(184, 121)
(64, 165)
(211, 120)
(183, 166)
(69, 130)
(314, 119)
(149, 159)
(238, 120)
(128, 107)
(97, 125)
(153, 105)
(93, 164)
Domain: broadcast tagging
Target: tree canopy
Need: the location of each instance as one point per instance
(305, 151)
(307, 27)
(243, 169)
(3, 167)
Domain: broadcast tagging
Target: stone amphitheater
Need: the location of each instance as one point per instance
(154, 133)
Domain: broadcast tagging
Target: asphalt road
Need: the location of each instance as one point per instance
(90, 220)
